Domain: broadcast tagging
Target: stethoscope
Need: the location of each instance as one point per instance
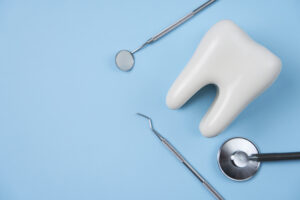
(239, 159)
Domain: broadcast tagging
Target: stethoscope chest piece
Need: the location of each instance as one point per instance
(233, 159)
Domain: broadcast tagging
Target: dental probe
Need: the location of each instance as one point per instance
(182, 159)
(125, 60)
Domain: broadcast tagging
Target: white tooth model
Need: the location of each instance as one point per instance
(230, 59)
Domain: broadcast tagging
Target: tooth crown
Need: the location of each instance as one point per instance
(230, 59)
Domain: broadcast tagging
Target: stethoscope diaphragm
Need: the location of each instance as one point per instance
(239, 159)
(233, 159)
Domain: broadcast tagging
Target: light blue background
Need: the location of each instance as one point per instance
(68, 128)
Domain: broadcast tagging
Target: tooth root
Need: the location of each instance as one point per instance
(222, 112)
(185, 87)
(240, 67)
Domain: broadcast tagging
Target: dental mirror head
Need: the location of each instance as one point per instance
(124, 60)
(233, 159)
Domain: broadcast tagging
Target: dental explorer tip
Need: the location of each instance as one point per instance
(142, 115)
(149, 119)
(151, 126)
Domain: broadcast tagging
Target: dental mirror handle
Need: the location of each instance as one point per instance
(181, 21)
(275, 156)
(175, 25)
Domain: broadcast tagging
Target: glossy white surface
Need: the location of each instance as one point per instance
(230, 59)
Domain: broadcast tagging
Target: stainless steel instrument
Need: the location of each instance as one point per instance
(182, 159)
(239, 159)
(125, 59)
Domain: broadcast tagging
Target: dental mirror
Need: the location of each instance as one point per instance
(125, 59)
(239, 159)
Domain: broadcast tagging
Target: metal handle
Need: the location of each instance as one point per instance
(275, 156)
(179, 22)
(175, 25)
(192, 169)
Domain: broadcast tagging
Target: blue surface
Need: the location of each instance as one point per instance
(68, 128)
